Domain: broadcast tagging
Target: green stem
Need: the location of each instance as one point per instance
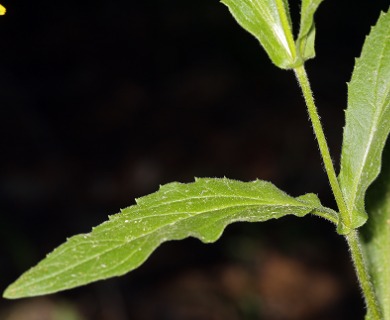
(344, 225)
(373, 310)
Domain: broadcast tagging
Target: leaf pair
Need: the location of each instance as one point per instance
(270, 22)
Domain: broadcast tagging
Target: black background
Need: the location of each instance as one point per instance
(102, 101)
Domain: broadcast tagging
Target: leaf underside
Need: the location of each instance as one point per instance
(201, 209)
(269, 22)
(264, 20)
(367, 120)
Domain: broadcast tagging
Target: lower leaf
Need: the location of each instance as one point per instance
(201, 209)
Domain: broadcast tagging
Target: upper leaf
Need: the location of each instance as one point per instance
(367, 121)
(307, 31)
(269, 21)
(201, 209)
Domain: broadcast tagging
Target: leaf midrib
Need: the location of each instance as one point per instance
(377, 118)
(90, 258)
(243, 197)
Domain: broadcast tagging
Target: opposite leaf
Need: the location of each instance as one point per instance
(269, 21)
(201, 209)
(367, 122)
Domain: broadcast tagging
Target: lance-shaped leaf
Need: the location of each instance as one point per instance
(376, 235)
(201, 209)
(367, 121)
(269, 21)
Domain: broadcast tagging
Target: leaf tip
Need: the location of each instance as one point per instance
(14, 291)
(6, 294)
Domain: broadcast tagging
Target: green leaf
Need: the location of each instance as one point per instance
(307, 31)
(367, 122)
(376, 234)
(269, 22)
(201, 209)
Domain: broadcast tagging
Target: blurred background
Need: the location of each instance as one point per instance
(103, 101)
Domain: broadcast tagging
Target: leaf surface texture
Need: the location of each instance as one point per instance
(201, 209)
(367, 120)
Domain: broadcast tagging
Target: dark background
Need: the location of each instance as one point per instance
(102, 101)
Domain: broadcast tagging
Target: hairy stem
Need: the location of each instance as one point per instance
(373, 310)
(344, 225)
